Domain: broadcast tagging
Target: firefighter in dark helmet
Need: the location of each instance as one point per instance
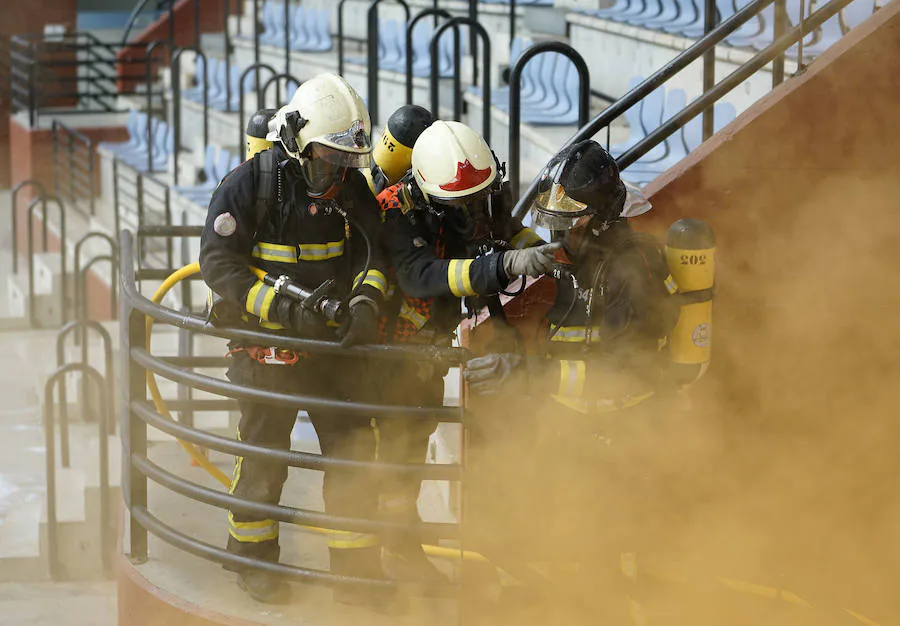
(303, 211)
(392, 155)
(450, 235)
(586, 399)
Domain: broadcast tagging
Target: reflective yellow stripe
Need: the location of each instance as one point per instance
(259, 299)
(252, 532)
(236, 474)
(571, 378)
(458, 278)
(575, 334)
(321, 251)
(375, 279)
(275, 252)
(345, 540)
(525, 238)
(671, 285)
(412, 316)
(271, 325)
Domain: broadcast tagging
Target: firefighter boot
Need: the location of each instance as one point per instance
(264, 587)
(364, 563)
(406, 561)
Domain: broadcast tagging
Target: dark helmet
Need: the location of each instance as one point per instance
(583, 179)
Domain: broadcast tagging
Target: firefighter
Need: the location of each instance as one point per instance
(450, 235)
(587, 398)
(392, 155)
(301, 210)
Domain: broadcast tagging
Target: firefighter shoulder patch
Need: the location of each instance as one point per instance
(225, 225)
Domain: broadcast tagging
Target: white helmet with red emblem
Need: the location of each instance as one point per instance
(452, 164)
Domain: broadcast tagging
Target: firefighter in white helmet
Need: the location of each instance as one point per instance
(290, 212)
(450, 235)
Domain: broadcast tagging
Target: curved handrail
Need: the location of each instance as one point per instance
(372, 55)
(455, 23)
(32, 318)
(515, 98)
(409, 46)
(64, 332)
(175, 69)
(136, 300)
(14, 227)
(241, 81)
(105, 531)
(275, 79)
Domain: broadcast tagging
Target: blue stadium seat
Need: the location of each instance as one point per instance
(299, 36)
(393, 43)
(209, 183)
(422, 53)
(856, 13)
(690, 15)
(565, 86)
(651, 11)
(273, 21)
(671, 10)
(744, 36)
(136, 125)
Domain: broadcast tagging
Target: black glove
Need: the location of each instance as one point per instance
(301, 320)
(361, 325)
(486, 375)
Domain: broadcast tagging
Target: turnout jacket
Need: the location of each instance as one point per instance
(304, 238)
(607, 340)
(436, 264)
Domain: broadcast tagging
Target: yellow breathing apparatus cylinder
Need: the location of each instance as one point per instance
(257, 129)
(690, 253)
(393, 152)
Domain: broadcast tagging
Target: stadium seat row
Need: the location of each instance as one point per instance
(392, 48)
(685, 17)
(216, 92)
(134, 151)
(310, 29)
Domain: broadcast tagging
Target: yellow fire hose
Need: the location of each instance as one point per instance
(194, 452)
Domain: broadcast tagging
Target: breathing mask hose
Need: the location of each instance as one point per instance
(561, 272)
(362, 231)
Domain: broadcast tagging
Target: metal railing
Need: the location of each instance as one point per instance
(704, 104)
(477, 31)
(64, 279)
(256, 67)
(14, 217)
(138, 414)
(151, 201)
(76, 73)
(515, 98)
(74, 156)
(175, 66)
(106, 534)
(372, 55)
(436, 13)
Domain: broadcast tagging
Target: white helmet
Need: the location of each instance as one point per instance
(452, 163)
(326, 128)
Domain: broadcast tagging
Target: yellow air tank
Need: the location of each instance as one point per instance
(257, 129)
(690, 253)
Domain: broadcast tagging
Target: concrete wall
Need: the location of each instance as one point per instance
(802, 191)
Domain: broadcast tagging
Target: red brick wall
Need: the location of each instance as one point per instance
(20, 18)
(211, 20)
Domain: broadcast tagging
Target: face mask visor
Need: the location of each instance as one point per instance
(552, 207)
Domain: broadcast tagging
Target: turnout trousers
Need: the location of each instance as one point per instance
(347, 492)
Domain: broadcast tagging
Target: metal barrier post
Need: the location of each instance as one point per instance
(49, 442)
(225, 12)
(372, 54)
(133, 429)
(256, 67)
(473, 40)
(175, 69)
(32, 106)
(340, 37)
(709, 65)
(71, 168)
(780, 26)
(148, 60)
(436, 12)
(256, 35)
(15, 217)
(512, 22)
(116, 212)
(287, 78)
(287, 37)
(480, 31)
(56, 165)
(197, 24)
(515, 98)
